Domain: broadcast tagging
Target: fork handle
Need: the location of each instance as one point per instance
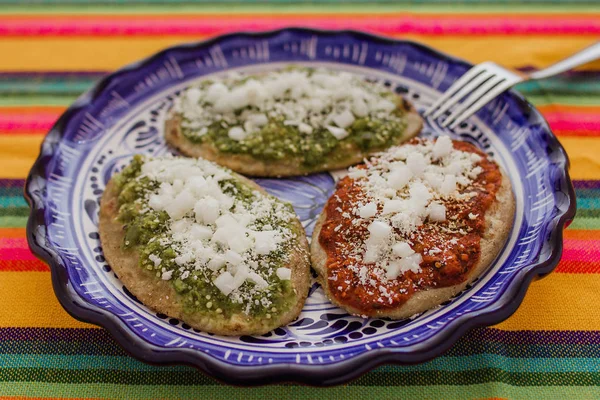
(585, 56)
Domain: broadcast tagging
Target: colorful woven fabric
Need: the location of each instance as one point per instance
(52, 50)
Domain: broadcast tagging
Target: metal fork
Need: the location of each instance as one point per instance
(485, 81)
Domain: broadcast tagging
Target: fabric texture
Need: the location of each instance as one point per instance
(52, 50)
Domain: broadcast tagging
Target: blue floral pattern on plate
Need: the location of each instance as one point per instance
(124, 115)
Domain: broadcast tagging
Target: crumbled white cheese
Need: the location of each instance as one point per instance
(233, 258)
(436, 212)
(155, 259)
(265, 241)
(368, 210)
(344, 119)
(216, 262)
(224, 283)
(405, 187)
(402, 249)
(416, 162)
(380, 230)
(357, 173)
(181, 205)
(399, 177)
(207, 210)
(339, 133)
(448, 185)
(306, 98)
(217, 236)
(237, 133)
(442, 147)
(284, 273)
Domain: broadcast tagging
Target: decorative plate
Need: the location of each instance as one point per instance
(123, 115)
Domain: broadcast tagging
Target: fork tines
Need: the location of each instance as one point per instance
(481, 84)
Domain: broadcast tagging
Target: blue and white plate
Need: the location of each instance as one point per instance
(123, 115)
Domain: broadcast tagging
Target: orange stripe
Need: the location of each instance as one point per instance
(582, 234)
(12, 233)
(547, 108)
(108, 53)
(18, 131)
(31, 110)
(568, 108)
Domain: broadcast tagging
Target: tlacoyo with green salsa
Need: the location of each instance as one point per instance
(314, 118)
(224, 246)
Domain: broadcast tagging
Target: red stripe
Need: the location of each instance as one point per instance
(15, 122)
(34, 265)
(577, 258)
(573, 123)
(562, 123)
(578, 250)
(578, 267)
(215, 24)
(16, 254)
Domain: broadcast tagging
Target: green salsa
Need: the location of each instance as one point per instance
(147, 232)
(277, 141)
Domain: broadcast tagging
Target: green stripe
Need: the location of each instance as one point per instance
(588, 213)
(454, 364)
(562, 85)
(224, 392)
(578, 222)
(558, 99)
(192, 377)
(585, 223)
(65, 100)
(70, 348)
(16, 206)
(294, 2)
(39, 85)
(44, 85)
(13, 222)
(80, 362)
(294, 8)
(14, 212)
(588, 209)
(31, 100)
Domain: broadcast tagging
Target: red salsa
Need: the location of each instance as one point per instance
(450, 249)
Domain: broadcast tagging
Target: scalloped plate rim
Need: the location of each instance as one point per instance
(340, 372)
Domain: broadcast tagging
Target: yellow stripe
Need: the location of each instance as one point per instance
(17, 154)
(108, 53)
(583, 154)
(28, 301)
(560, 301)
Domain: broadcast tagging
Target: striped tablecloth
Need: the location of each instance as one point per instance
(52, 50)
